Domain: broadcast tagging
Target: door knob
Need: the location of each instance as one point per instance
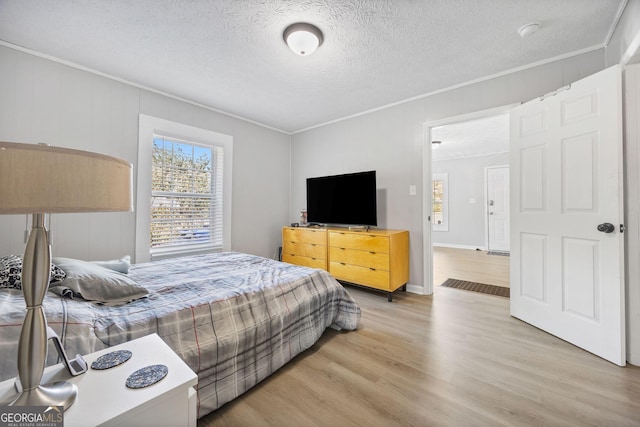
(606, 227)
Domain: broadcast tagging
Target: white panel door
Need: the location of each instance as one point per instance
(566, 185)
(498, 208)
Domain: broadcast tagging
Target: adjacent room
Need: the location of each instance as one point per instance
(340, 213)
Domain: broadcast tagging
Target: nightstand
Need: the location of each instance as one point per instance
(104, 399)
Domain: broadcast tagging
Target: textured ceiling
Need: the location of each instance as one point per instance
(229, 54)
(472, 138)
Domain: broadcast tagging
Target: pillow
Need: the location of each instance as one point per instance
(11, 272)
(95, 283)
(120, 265)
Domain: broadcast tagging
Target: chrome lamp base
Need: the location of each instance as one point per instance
(32, 346)
(55, 394)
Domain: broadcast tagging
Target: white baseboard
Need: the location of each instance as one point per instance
(449, 245)
(415, 289)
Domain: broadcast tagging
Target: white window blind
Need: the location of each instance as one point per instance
(186, 196)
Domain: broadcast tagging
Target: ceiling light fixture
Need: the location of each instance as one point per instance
(528, 29)
(302, 38)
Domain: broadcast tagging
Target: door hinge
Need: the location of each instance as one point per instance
(622, 228)
(555, 92)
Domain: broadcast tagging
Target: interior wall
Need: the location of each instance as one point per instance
(391, 141)
(46, 101)
(626, 32)
(467, 204)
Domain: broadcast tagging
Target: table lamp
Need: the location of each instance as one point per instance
(38, 179)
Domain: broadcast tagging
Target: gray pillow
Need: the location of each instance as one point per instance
(120, 265)
(95, 283)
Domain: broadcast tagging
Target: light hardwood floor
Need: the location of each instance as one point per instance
(452, 359)
(469, 265)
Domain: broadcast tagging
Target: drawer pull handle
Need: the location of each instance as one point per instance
(342, 249)
(372, 269)
(343, 263)
(371, 252)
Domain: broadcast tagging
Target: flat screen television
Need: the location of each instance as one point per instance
(348, 199)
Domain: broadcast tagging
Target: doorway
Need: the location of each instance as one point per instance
(465, 150)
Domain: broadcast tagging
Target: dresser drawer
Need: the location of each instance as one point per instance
(360, 275)
(305, 235)
(360, 241)
(311, 250)
(305, 261)
(377, 260)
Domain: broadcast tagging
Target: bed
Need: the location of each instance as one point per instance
(233, 318)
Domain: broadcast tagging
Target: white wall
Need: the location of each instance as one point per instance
(391, 141)
(45, 101)
(626, 33)
(466, 177)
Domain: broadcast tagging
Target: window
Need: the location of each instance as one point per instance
(437, 201)
(440, 202)
(186, 198)
(184, 190)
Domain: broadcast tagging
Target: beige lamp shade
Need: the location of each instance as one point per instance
(40, 178)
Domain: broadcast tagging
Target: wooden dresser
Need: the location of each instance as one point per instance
(376, 258)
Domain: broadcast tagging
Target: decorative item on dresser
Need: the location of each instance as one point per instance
(376, 259)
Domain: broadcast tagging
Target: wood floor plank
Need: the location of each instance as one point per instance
(451, 359)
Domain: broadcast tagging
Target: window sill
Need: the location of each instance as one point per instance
(173, 252)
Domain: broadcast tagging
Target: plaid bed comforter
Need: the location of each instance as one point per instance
(233, 318)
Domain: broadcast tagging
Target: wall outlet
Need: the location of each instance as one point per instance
(472, 200)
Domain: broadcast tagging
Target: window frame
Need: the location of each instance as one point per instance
(149, 127)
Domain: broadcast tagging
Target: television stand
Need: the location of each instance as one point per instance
(376, 259)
